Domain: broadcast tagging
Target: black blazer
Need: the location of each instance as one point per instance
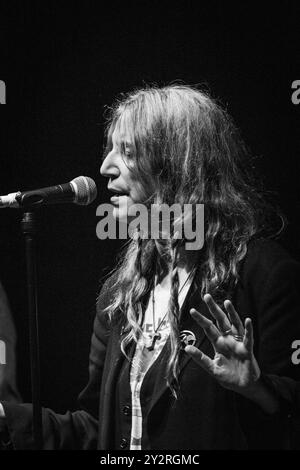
(8, 387)
(205, 416)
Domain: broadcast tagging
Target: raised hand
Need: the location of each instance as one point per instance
(234, 365)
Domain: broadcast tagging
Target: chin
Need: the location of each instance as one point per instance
(120, 215)
(120, 211)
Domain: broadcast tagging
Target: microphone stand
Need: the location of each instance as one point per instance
(29, 230)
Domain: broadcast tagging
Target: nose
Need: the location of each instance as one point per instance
(109, 167)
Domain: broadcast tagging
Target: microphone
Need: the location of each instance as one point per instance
(81, 190)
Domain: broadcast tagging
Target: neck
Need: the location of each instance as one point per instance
(187, 258)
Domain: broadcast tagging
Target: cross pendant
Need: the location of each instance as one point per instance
(155, 337)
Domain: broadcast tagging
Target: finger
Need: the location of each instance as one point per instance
(209, 328)
(217, 313)
(248, 337)
(234, 317)
(204, 361)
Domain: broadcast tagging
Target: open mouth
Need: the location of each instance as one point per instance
(117, 193)
(115, 198)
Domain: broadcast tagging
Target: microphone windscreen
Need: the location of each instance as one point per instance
(85, 190)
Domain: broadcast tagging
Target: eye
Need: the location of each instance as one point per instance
(126, 150)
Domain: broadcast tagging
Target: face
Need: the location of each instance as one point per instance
(126, 189)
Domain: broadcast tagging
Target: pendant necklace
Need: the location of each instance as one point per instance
(156, 335)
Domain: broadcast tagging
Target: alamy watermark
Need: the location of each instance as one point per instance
(296, 353)
(2, 352)
(296, 94)
(2, 92)
(160, 221)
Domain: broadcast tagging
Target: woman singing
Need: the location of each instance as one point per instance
(192, 348)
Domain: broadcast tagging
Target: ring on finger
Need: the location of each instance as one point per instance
(238, 338)
(226, 332)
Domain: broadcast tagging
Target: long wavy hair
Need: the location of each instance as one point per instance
(187, 149)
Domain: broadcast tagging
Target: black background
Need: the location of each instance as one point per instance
(62, 63)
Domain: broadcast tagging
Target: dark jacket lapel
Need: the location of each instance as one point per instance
(193, 299)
